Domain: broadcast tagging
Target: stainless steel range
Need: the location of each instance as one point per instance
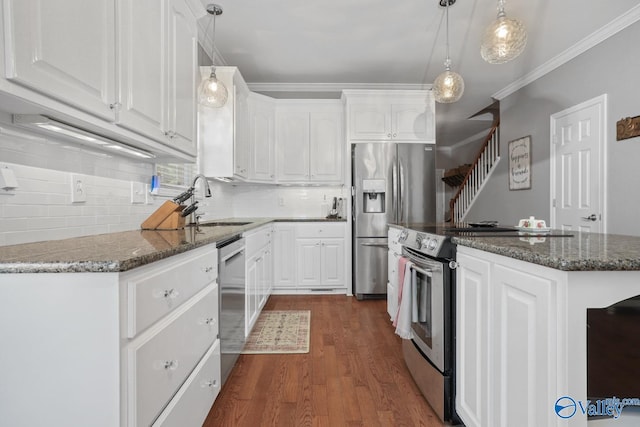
(429, 355)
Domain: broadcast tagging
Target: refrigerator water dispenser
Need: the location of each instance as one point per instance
(373, 194)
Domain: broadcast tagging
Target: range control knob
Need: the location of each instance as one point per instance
(433, 243)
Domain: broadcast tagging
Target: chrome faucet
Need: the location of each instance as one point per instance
(195, 218)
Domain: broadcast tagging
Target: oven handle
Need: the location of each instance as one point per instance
(428, 273)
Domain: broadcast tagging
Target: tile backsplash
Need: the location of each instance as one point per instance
(41, 207)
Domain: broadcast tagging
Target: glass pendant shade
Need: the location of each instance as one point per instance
(503, 40)
(212, 92)
(448, 87)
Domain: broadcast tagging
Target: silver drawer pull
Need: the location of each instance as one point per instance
(210, 383)
(208, 269)
(210, 321)
(171, 293)
(171, 364)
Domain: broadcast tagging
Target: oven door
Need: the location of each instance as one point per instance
(427, 286)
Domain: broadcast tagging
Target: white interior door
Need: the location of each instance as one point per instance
(578, 167)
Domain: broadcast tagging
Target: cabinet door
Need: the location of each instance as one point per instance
(332, 262)
(180, 123)
(524, 344)
(251, 285)
(309, 269)
(392, 285)
(472, 340)
(51, 50)
(409, 122)
(261, 141)
(284, 263)
(326, 146)
(293, 146)
(142, 91)
(369, 122)
(241, 128)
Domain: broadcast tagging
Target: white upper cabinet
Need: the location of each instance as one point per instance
(157, 71)
(399, 116)
(64, 49)
(142, 93)
(326, 146)
(182, 74)
(293, 145)
(123, 68)
(310, 142)
(262, 128)
(224, 132)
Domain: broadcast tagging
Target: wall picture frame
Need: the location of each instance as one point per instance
(520, 163)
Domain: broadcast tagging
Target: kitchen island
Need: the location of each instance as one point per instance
(521, 356)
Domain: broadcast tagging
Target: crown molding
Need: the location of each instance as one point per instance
(333, 87)
(612, 28)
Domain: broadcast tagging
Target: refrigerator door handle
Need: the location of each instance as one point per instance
(401, 193)
(394, 192)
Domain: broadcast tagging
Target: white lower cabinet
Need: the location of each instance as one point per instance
(309, 257)
(507, 355)
(258, 272)
(193, 401)
(112, 349)
(159, 361)
(395, 251)
(284, 266)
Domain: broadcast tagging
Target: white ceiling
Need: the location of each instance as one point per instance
(285, 46)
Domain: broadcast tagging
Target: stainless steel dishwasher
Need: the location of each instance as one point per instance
(231, 279)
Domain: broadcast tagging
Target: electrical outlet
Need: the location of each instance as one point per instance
(138, 194)
(78, 190)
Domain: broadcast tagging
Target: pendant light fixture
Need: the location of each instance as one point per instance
(449, 85)
(504, 39)
(212, 92)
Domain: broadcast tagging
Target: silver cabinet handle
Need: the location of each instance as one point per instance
(208, 269)
(210, 383)
(209, 321)
(171, 364)
(592, 217)
(171, 293)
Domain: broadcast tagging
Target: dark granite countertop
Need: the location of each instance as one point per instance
(117, 252)
(581, 252)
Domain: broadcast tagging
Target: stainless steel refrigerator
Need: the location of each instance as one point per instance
(392, 183)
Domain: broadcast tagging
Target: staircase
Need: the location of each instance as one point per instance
(478, 174)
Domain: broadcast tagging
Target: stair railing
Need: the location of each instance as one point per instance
(476, 177)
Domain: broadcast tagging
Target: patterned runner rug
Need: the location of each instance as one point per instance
(280, 332)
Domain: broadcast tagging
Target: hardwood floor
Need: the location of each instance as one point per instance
(353, 375)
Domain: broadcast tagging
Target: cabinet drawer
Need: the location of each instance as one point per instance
(156, 289)
(193, 401)
(159, 361)
(257, 239)
(320, 230)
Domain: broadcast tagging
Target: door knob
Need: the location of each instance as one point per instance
(592, 217)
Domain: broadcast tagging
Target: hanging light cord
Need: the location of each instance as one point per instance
(447, 62)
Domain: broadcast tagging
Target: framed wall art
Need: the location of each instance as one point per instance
(520, 164)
